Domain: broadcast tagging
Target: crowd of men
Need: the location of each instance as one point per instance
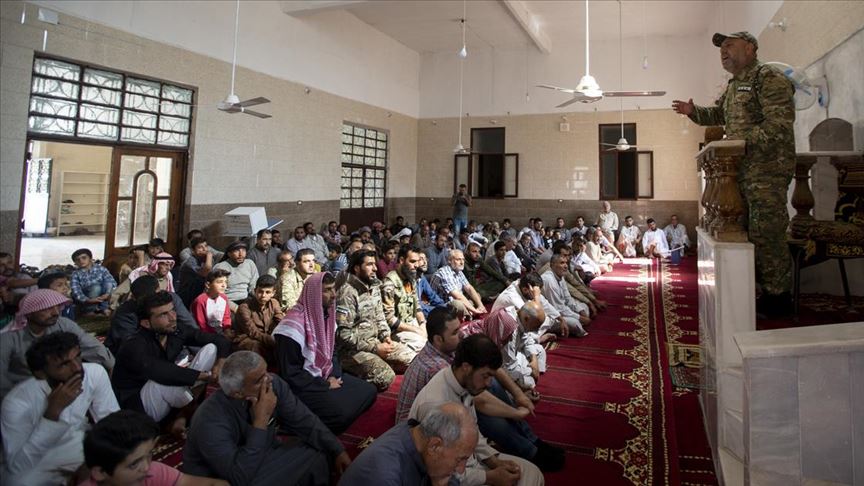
(298, 337)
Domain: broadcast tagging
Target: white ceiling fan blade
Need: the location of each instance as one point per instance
(556, 88)
(633, 93)
(569, 102)
(255, 113)
(252, 102)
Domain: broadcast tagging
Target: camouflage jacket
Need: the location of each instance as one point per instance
(360, 323)
(757, 107)
(399, 299)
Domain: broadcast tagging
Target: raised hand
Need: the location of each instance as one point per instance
(263, 406)
(62, 396)
(684, 107)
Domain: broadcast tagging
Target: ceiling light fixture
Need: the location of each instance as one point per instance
(463, 53)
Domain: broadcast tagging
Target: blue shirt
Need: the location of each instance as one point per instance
(424, 289)
(82, 279)
(392, 460)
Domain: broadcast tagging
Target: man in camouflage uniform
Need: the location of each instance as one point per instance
(362, 334)
(399, 297)
(758, 107)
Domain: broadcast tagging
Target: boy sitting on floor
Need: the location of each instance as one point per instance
(92, 284)
(211, 309)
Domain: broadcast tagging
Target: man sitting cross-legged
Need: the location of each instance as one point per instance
(451, 285)
(362, 334)
(474, 365)
(92, 283)
(654, 241)
(574, 313)
(153, 372)
(399, 297)
(118, 451)
(427, 452)
(234, 432)
(44, 417)
(305, 351)
(526, 289)
(676, 235)
(628, 239)
(159, 267)
(487, 280)
(39, 315)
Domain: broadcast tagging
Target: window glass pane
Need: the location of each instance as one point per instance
(57, 69)
(382, 136)
(359, 131)
(142, 103)
(382, 145)
(104, 79)
(381, 153)
(369, 142)
(345, 204)
(370, 152)
(53, 107)
(347, 129)
(177, 109)
(141, 86)
(143, 210)
(510, 170)
(140, 135)
(101, 95)
(176, 139)
(162, 167)
(53, 87)
(356, 182)
(371, 133)
(357, 172)
(346, 193)
(609, 164)
(175, 93)
(138, 119)
(161, 229)
(129, 166)
(123, 225)
(57, 126)
(100, 113)
(174, 124)
(379, 174)
(356, 203)
(646, 182)
(346, 158)
(346, 139)
(358, 150)
(97, 130)
(357, 159)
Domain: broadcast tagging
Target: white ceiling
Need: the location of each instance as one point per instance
(433, 26)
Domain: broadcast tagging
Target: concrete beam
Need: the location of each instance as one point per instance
(306, 7)
(529, 23)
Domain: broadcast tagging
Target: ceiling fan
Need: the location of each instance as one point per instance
(232, 103)
(588, 91)
(463, 54)
(622, 144)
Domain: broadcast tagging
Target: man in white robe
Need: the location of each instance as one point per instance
(676, 235)
(654, 241)
(628, 238)
(574, 313)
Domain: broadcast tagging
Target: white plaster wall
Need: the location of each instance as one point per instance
(332, 50)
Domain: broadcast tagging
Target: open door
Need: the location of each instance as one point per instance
(146, 199)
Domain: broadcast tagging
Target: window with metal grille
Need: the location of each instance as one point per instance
(74, 100)
(364, 167)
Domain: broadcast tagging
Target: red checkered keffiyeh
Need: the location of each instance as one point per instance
(306, 325)
(35, 301)
(498, 325)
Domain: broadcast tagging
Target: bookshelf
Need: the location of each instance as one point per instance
(83, 201)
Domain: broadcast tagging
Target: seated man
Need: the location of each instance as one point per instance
(426, 296)
(512, 263)
(92, 283)
(362, 334)
(574, 313)
(187, 252)
(256, 318)
(160, 267)
(194, 270)
(628, 238)
(399, 297)
(264, 254)
(436, 255)
(151, 375)
(305, 352)
(233, 433)
(39, 315)
(244, 273)
(124, 321)
(427, 452)
(526, 289)
(44, 417)
(474, 365)
(118, 451)
(607, 220)
(299, 241)
(316, 243)
(451, 285)
(597, 251)
(291, 282)
(676, 235)
(580, 229)
(488, 281)
(590, 269)
(654, 241)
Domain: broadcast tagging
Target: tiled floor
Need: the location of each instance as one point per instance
(41, 252)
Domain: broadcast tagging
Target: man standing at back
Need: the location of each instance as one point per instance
(460, 201)
(758, 107)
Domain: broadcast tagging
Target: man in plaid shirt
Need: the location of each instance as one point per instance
(92, 284)
(451, 285)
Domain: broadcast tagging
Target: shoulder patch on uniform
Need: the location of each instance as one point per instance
(342, 310)
(745, 88)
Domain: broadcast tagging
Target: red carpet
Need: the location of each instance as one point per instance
(608, 398)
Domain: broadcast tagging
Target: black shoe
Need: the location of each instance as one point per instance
(774, 306)
(548, 457)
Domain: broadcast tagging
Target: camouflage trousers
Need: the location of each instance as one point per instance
(766, 219)
(380, 372)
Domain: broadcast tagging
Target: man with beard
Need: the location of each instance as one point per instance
(436, 255)
(290, 284)
(362, 335)
(489, 281)
(243, 276)
(278, 242)
(298, 242)
(628, 238)
(477, 357)
(399, 297)
(316, 242)
(39, 315)
(451, 285)
(426, 296)
(263, 254)
(654, 241)
(159, 267)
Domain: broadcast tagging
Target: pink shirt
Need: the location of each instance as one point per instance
(158, 475)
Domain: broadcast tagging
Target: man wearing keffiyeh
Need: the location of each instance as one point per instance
(305, 350)
(160, 267)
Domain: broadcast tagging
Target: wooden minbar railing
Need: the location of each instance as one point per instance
(719, 162)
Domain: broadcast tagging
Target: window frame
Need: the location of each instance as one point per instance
(121, 108)
(471, 159)
(365, 167)
(634, 150)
